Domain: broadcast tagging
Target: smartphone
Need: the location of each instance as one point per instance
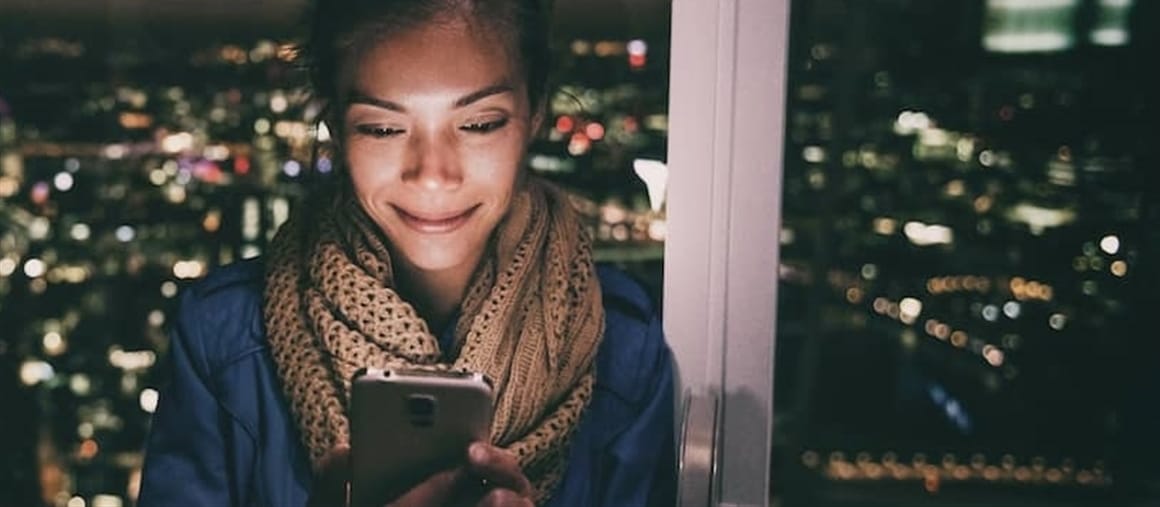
(406, 425)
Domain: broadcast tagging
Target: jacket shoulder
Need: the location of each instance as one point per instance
(219, 317)
(633, 350)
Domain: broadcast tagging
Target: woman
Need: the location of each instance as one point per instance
(436, 248)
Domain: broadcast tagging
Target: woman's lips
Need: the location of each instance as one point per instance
(435, 223)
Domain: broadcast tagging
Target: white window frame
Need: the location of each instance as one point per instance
(727, 112)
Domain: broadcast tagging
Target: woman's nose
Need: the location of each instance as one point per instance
(433, 163)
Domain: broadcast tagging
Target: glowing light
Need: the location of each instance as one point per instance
(579, 144)
(910, 308)
(292, 168)
(212, 221)
(34, 268)
(63, 181)
(959, 339)
(994, 355)
(80, 232)
(323, 132)
(175, 194)
(594, 131)
(1011, 309)
(655, 175)
(262, 126)
(72, 165)
(217, 152)
(39, 228)
(637, 47)
(148, 400)
(169, 289)
(983, 203)
(581, 47)
(125, 233)
(53, 343)
(131, 361)
(955, 188)
(8, 266)
(814, 154)
(658, 230)
(987, 158)
(115, 152)
(1119, 268)
(176, 143)
(40, 192)
(34, 371)
(1039, 218)
(869, 271)
(76, 501)
(885, 226)
(991, 313)
(922, 234)
(251, 251)
(942, 331)
(1026, 42)
(80, 384)
(156, 318)
(89, 449)
(909, 122)
(278, 103)
(1110, 244)
(1109, 37)
(565, 124)
(1057, 321)
(9, 186)
(188, 269)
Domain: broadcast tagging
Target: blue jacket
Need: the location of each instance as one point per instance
(223, 434)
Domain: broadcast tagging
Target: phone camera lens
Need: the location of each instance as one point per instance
(421, 409)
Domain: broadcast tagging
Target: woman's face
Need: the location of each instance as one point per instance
(435, 131)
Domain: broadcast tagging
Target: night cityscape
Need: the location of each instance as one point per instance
(967, 251)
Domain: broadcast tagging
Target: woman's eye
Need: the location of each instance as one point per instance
(483, 127)
(378, 131)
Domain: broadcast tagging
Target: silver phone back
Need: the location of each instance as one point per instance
(407, 425)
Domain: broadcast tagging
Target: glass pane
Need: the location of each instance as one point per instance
(143, 145)
(967, 287)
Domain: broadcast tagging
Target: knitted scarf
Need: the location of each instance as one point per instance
(531, 320)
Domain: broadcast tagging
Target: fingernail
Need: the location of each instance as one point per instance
(477, 452)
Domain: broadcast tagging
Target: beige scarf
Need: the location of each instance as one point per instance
(531, 321)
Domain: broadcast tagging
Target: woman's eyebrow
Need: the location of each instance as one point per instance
(482, 93)
(363, 98)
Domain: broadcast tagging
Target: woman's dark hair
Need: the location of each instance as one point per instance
(343, 30)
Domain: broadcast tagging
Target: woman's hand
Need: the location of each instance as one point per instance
(330, 479)
(502, 483)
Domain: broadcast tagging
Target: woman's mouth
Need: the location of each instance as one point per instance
(435, 222)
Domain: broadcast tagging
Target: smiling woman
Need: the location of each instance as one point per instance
(434, 157)
(434, 249)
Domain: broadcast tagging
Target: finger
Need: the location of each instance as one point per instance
(330, 478)
(503, 497)
(498, 467)
(436, 490)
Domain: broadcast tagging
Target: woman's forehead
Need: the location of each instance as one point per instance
(435, 59)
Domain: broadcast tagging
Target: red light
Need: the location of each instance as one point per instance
(241, 165)
(595, 131)
(564, 124)
(630, 124)
(636, 61)
(579, 144)
(1007, 113)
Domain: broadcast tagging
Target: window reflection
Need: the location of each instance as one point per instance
(962, 308)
